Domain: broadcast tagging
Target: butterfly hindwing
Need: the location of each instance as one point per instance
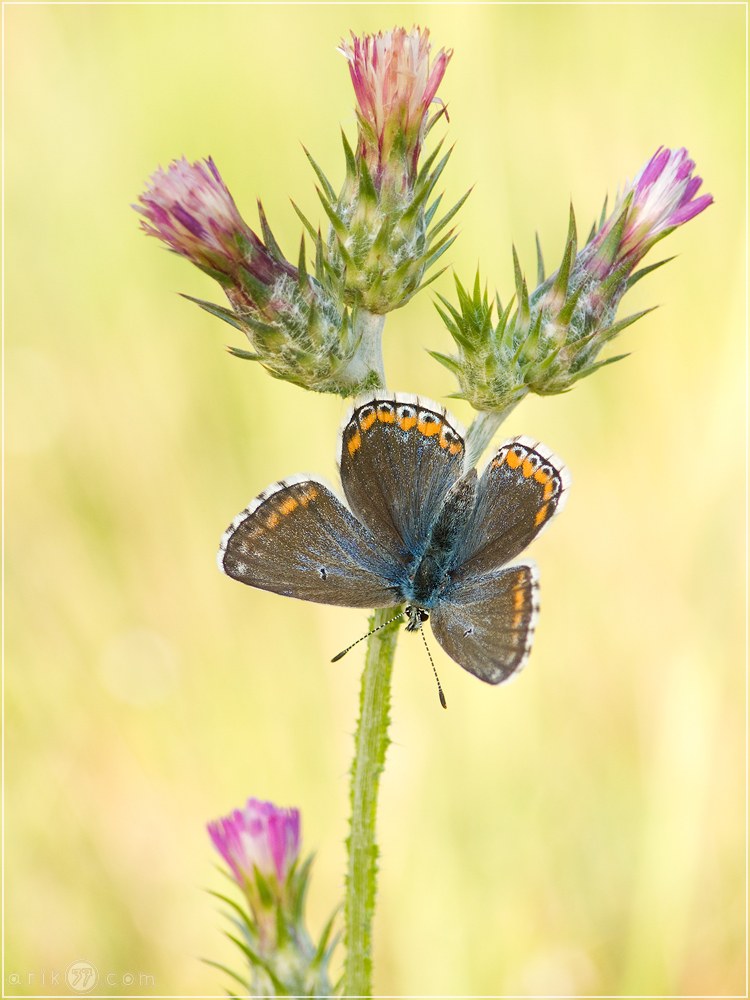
(298, 539)
(486, 623)
(522, 488)
(399, 455)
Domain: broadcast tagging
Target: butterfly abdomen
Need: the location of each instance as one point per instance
(431, 572)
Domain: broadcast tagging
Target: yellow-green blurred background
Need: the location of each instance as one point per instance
(579, 832)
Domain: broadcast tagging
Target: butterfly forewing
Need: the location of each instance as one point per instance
(522, 488)
(486, 623)
(399, 456)
(298, 539)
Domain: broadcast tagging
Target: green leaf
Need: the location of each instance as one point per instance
(237, 352)
(219, 276)
(321, 177)
(425, 168)
(433, 277)
(268, 238)
(367, 192)
(566, 313)
(430, 212)
(448, 216)
(612, 331)
(351, 163)
(644, 271)
(603, 216)
(438, 250)
(611, 244)
(259, 293)
(339, 228)
(522, 292)
(598, 365)
(256, 959)
(321, 949)
(452, 364)
(308, 226)
(226, 314)
(217, 965)
(434, 176)
(228, 899)
(302, 279)
(560, 284)
(539, 261)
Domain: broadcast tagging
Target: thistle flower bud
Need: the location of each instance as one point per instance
(395, 85)
(555, 335)
(298, 324)
(260, 843)
(379, 242)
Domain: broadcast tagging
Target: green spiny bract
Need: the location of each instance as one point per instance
(551, 340)
(282, 958)
(380, 242)
(298, 324)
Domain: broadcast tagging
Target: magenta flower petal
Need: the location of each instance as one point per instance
(394, 83)
(662, 196)
(259, 836)
(189, 207)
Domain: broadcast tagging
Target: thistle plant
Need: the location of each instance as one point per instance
(546, 340)
(437, 545)
(260, 844)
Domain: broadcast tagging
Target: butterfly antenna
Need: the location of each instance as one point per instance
(440, 689)
(367, 636)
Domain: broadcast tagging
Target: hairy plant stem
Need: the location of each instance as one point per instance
(483, 428)
(367, 363)
(370, 742)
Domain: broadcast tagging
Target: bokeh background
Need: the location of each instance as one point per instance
(578, 832)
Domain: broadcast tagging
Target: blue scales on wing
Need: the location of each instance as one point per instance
(399, 456)
(298, 539)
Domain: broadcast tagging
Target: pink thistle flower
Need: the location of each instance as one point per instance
(661, 197)
(394, 84)
(189, 207)
(261, 836)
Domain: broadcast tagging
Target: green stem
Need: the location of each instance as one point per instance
(482, 430)
(371, 742)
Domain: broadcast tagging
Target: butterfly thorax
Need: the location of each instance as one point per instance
(429, 573)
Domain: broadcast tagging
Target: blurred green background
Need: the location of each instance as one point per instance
(579, 832)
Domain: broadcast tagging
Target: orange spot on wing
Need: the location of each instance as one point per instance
(273, 520)
(429, 427)
(549, 489)
(306, 497)
(519, 598)
(528, 468)
(455, 448)
(542, 514)
(386, 416)
(406, 423)
(288, 505)
(517, 619)
(513, 460)
(367, 420)
(541, 476)
(354, 442)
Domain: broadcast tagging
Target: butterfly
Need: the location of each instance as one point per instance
(416, 528)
